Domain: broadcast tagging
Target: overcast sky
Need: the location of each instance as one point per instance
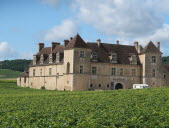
(25, 23)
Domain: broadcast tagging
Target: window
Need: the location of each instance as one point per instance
(133, 58)
(82, 54)
(108, 85)
(113, 57)
(133, 72)
(34, 72)
(91, 85)
(40, 72)
(153, 73)
(113, 71)
(100, 85)
(153, 59)
(24, 79)
(68, 68)
(94, 70)
(121, 72)
(41, 59)
(164, 76)
(34, 60)
(81, 68)
(50, 58)
(50, 71)
(94, 56)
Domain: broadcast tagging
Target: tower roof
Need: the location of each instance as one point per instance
(77, 42)
(150, 48)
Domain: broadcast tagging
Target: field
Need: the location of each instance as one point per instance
(25, 107)
(7, 73)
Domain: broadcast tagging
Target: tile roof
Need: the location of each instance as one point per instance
(123, 52)
(76, 42)
(24, 74)
(44, 51)
(150, 48)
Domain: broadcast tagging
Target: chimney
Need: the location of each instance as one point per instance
(117, 42)
(66, 42)
(136, 45)
(98, 42)
(158, 45)
(54, 44)
(41, 45)
(139, 48)
(71, 38)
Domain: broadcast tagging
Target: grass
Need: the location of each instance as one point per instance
(7, 73)
(26, 107)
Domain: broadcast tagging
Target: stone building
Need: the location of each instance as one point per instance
(80, 65)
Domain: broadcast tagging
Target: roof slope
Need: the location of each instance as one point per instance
(123, 52)
(150, 48)
(77, 42)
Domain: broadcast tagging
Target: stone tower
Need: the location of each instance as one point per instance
(151, 60)
(77, 54)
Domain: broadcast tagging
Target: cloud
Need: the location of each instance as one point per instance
(120, 17)
(8, 53)
(66, 29)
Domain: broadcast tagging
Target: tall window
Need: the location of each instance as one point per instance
(94, 55)
(153, 59)
(34, 60)
(50, 58)
(113, 72)
(153, 73)
(113, 58)
(50, 71)
(68, 68)
(82, 54)
(133, 72)
(94, 70)
(81, 69)
(40, 72)
(121, 71)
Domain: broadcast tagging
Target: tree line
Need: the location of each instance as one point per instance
(17, 65)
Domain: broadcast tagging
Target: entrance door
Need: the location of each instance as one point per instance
(119, 86)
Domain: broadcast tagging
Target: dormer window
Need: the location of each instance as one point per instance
(133, 59)
(113, 57)
(82, 54)
(94, 56)
(50, 58)
(34, 60)
(41, 59)
(58, 57)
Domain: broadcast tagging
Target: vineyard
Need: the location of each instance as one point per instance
(25, 107)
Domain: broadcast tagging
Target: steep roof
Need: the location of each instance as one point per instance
(76, 42)
(150, 48)
(44, 51)
(123, 52)
(24, 74)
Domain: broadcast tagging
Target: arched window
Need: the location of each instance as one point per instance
(68, 67)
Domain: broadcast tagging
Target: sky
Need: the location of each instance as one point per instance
(25, 23)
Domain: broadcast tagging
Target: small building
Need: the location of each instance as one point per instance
(80, 65)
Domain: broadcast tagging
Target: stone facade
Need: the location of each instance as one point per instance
(78, 65)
